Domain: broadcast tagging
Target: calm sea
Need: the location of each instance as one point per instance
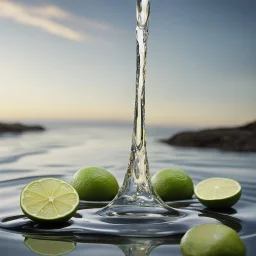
(66, 147)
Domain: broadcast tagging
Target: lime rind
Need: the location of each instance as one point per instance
(37, 199)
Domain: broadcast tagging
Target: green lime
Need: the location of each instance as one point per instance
(49, 200)
(212, 240)
(173, 184)
(49, 247)
(95, 184)
(218, 193)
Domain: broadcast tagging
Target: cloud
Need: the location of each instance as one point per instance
(49, 18)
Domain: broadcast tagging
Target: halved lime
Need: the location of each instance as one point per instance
(49, 200)
(49, 247)
(218, 193)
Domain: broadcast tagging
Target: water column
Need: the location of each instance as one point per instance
(137, 195)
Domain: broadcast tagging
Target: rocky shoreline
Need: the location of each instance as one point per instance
(19, 128)
(239, 139)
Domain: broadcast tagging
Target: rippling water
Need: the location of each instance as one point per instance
(66, 147)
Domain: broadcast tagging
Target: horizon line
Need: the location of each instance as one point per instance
(125, 121)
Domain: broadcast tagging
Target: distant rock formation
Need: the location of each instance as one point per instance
(242, 138)
(19, 128)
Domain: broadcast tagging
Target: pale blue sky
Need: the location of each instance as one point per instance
(76, 59)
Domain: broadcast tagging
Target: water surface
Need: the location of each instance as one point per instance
(66, 147)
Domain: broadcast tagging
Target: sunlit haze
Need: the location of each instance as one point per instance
(66, 59)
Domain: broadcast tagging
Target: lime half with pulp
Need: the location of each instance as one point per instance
(49, 247)
(218, 193)
(49, 200)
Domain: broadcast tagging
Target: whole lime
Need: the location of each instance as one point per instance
(212, 240)
(95, 184)
(173, 184)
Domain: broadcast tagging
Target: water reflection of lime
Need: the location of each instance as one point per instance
(49, 247)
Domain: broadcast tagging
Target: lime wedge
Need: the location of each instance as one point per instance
(218, 193)
(49, 200)
(49, 247)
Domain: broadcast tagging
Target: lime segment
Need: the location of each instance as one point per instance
(49, 200)
(218, 192)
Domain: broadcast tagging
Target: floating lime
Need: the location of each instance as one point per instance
(212, 240)
(49, 200)
(173, 184)
(95, 184)
(218, 193)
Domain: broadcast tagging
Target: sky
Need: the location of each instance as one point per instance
(75, 59)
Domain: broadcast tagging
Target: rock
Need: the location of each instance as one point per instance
(19, 128)
(242, 138)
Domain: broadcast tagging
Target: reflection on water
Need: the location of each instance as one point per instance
(44, 244)
(51, 246)
(65, 245)
(62, 150)
(61, 239)
(83, 222)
